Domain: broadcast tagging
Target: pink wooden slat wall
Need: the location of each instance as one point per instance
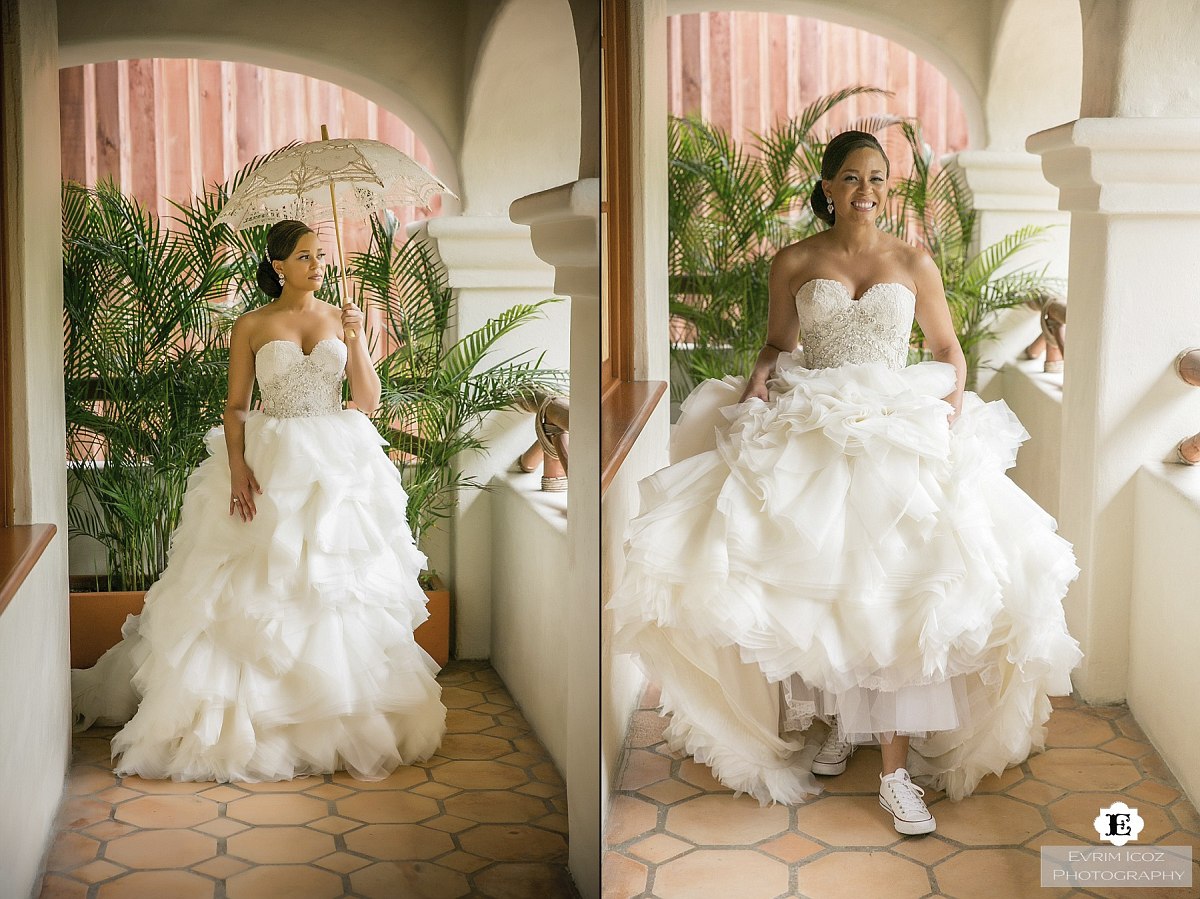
(746, 71)
(166, 129)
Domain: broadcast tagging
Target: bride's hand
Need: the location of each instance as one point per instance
(242, 488)
(755, 389)
(352, 319)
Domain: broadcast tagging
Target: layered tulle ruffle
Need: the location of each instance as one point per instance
(844, 539)
(282, 646)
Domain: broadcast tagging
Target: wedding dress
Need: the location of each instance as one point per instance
(283, 646)
(841, 550)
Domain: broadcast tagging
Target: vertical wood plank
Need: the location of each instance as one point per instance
(174, 131)
(108, 122)
(691, 78)
(249, 122)
(72, 124)
(88, 123)
(143, 138)
(720, 64)
(776, 63)
(212, 129)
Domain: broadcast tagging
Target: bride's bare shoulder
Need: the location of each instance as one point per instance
(796, 256)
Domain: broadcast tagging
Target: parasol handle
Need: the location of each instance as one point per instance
(337, 232)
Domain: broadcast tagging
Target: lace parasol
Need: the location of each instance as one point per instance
(366, 176)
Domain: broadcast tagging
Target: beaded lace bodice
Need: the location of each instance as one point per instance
(294, 384)
(836, 329)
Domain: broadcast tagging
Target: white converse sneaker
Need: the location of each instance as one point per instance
(900, 796)
(831, 759)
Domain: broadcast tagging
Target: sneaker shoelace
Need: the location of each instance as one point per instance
(908, 795)
(835, 746)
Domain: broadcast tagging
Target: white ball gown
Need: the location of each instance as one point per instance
(843, 550)
(283, 646)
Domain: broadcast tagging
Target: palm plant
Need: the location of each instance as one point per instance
(933, 205)
(148, 310)
(144, 370)
(436, 393)
(731, 209)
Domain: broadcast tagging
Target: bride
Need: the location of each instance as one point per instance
(837, 539)
(279, 640)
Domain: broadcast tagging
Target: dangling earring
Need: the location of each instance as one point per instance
(281, 280)
(829, 205)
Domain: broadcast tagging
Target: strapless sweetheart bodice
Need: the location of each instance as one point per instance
(836, 329)
(294, 383)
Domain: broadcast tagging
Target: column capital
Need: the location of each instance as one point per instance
(1006, 181)
(565, 224)
(489, 252)
(1123, 166)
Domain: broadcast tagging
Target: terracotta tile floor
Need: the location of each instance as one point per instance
(674, 832)
(484, 817)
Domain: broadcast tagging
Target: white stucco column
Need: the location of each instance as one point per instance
(1132, 188)
(1009, 192)
(492, 265)
(564, 222)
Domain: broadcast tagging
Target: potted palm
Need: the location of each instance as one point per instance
(147, 314)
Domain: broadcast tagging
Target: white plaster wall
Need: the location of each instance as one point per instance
(521, 136)
(1131, 188)
(529, 615)
(1036, 399)
(1140, 58)
(564, 223)
(35, 696)
(1164, 625)
(1035, 74)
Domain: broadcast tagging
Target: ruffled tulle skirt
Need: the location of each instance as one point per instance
(283, 646)
(841, 550)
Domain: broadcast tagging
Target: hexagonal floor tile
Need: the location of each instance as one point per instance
(514, 843)
(399, 842)
(1083, 769)
(847, 821)
(166, 811)
(280, 845)
(844, 874)
(161, 849)
(727, 872)
(993, 872)
(723, 820)
(479, 775)
(387, 807)
(283, 882)
(274, 808)
(987, 820)
(176, 884)
(496, 807)
(419, 880)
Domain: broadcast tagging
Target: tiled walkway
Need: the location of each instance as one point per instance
(674, 832)
(484, 817)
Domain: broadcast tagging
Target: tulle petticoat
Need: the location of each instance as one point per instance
(283, 646)
(841, 550)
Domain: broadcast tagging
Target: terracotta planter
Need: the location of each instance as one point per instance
(96, 620)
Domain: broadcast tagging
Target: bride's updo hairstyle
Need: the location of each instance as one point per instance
(836, 152)
(281, 241)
